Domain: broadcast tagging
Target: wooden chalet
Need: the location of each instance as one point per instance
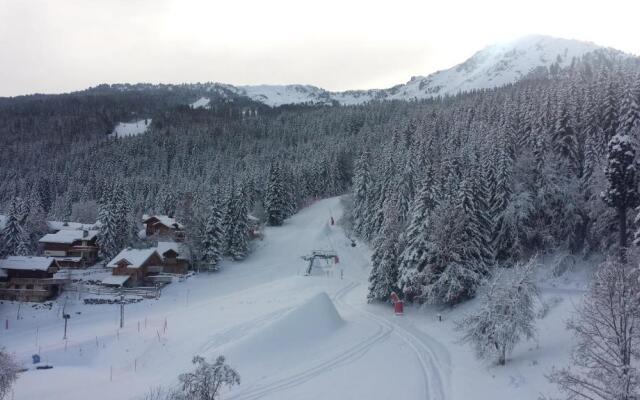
(163, 226)
(71, 248)
(136, 264)
(26, 278)
(175, 257)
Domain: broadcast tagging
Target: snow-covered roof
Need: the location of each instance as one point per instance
(65, 225)
(115, 280)
(27, 263)
(183, 252)
(164, 220)
(134, 257)
(68, 236)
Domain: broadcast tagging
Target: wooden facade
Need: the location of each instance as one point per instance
(37, 284)
(161, 226)
(72, 249)
(152, 264)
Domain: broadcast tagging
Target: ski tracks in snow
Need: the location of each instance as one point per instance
(432, 358)
(382, 332)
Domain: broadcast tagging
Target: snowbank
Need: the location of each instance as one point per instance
(301, 328)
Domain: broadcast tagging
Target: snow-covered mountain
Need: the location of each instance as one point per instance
(494, 66)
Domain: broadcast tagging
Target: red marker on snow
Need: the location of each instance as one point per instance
(398, 305)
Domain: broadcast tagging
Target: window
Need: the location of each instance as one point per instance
(30, 287)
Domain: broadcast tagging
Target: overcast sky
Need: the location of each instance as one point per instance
(52, 46)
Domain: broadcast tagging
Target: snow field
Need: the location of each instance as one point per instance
(126, 129)
(288, 335)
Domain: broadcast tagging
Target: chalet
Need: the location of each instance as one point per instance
(26, 278)
(175, 257)
(71, 248)
(134, 265)
(163, 226)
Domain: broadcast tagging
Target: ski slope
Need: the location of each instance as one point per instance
(289, 336)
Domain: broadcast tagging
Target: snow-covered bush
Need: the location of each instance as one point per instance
(506, 314)
(8, 373)
(607, 328)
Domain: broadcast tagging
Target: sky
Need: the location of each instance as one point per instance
(54, 46)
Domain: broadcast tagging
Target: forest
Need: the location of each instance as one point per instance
(445, 190)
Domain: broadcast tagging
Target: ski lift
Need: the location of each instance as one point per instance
(328, 255)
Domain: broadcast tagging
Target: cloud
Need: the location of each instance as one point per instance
(54, 46)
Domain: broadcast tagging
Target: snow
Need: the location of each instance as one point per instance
(68, 236)
(64, 225)
(202, 102)
(163, 247)
(494, 66)
(134, 257)
(27, 263)
(115, 280)
(289, 336)
(125, 129)
(164, 220)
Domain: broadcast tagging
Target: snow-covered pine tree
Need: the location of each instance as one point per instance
(622, 190)
(237, 230)
(383, 278)
(108, 234)
(506, 314)
(213, 239)
(15, 240)
(275, 200)
(442, 265)
(361, 194)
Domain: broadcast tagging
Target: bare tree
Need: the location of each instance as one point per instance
(605, 360)
(8, 372)
(206, 381)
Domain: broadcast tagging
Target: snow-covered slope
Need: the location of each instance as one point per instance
(124, 129)
(202, 102)
(494, 66)
(289, 336)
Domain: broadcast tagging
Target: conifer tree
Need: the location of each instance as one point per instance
(275, 202)
(383, 278)
(108, 234)
(362, 194)
(213, 238)
(14, 238)
(622, 190)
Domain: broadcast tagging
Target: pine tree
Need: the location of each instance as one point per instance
(361, 194)
(16, 242)
(275, 202)
(213, 239)
(108, 234)
(383, 278)
(237, 226)
(622, 190)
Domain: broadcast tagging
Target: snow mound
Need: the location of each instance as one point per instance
(124, 129)
(300, 328)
